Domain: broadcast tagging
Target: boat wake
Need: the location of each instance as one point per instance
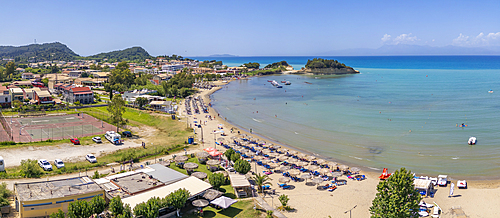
(357, 158)
(258, 121)
(455, 158)
(296, 133)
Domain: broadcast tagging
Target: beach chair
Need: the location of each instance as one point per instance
(286, 187)
(332, 187)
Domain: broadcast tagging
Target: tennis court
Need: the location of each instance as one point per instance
(56, 127)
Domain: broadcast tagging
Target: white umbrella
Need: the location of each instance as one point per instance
(266, 151)
(273, 165)
(284, 180)
(305, 176)
(301, 155)
(333, 165)
(294, 172)
(320, 161)
(317, 181)
(355, 170)
(293, 152)
(336, 174)
(257, 158)
(223, 202)
(200, 203)
(324, 171)
(311, 158)
(312, 167)
(343, 167)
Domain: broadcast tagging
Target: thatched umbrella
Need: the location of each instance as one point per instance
(249, 137)
(306, 176)
(320, 161)
(221, 139)
(257, 158)
(200, 203)
(232, 144)
(199, 175)
(293, 152)
(223, 173)
(355, 170)
(212, 194)
(273, 154)
(301, 163)
(190, 166)
(234, 137)
(165, 163)
(301, 155)
(273, 165)
(324, 171)
(180, 159)
(312, 167)
(284, 180)
(259, 148)
(283, 157)
(343, 167)
(333, 165)
(292, 160)
(336, 174)
(311, 158)
(284, 168)
(266, 151)
(244, 134)
(284, 150)
(294, 172)
(213, 162)
(244, 150)
(265, 161)
(317, 181)
(202, 154)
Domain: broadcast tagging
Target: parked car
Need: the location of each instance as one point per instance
(442, 180)
(127, 133)
(75, 141)
(91, 158)
(44, 164)
(58, 163)
(97, 139)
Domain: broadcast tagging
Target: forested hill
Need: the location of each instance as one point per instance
(38, 52)
(129, 54)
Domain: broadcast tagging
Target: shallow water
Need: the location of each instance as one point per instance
(384, 117)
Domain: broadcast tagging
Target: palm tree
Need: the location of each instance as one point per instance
(261, 180)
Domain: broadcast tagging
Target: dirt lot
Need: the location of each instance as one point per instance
(72, 153)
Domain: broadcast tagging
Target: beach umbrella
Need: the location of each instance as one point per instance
(256, 140)
(292, 160)
(311, 158)
(301, 155)
(306, 176)
(202, 154)
(293, 152)
(223, 202)
(237, 147)
(259, 148)
(301, 163)
(294, 172)
(213, 162)
(245, 150)
(233, 137)
(273, 165)
(265, 161)
(333, 165)
(312, 167)
(180, 159)
(284, 150)
(266, 151)
(232, 144)
(283, 157)
(336, 174)
(263, 143)
(343, 167)
(243, 134)
(223, 173)
(276, 146)
(320, 162)
(165, 163)
(317, 181)
(324, 171)
(249, 136)
(273, 154)
(200, 203)
(355, 170)
(284, 168)
(221, 139)
(199, 175)
(212, 194)
(284, 180)
(257, 158)
(190, 165)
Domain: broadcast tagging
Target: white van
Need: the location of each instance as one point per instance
(2, 164)
(113, 137)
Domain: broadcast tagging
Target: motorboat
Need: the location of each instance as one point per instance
(283, 81)
(472, 141)
(442, 180)
(288, 83)
(276, 84)
(491, 91)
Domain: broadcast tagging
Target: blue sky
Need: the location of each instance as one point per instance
(251, 28)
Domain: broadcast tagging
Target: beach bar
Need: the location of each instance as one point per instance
(424, 186)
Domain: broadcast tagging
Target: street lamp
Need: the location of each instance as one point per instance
(350, 210)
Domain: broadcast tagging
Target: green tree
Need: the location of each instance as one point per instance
(5, 193)
(252, 65)
(242, 166)
(396, 197)
(178, 199)
(30, 169)
(141, 101)
(261, 180)
(149, 209)
(235, 157)
(216, 180)
(122, 75)
(54, 68)
(10, 69)
(45, 82)
(97, 204)
(58, 214)
(127, 212)
(116, 108)
(79, 209)
(116, 206)
(229, 153)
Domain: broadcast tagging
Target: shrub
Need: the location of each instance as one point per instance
(242, 166)
(58, 214)
(217, 180)
(235, 157)
(5, 193)
(229, 153)
(97, 204)
(30, 169)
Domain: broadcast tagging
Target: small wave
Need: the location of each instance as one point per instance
(256, 120)
(455, 158)
(373, 168)
(228, 108)
(296, 133)
(358, 158)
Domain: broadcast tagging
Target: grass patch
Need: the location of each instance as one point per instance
(241, 209)
(87, 140)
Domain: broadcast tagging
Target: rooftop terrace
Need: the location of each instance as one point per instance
(55, 188)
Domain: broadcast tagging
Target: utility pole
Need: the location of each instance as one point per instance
(350, 210)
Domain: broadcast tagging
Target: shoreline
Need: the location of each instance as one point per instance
(481, 182)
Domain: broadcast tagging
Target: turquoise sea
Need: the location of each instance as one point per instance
(399, 112)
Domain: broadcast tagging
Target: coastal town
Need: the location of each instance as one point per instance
(141, 139)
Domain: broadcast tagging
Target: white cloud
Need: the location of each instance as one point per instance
(401, 39)
(479, 40)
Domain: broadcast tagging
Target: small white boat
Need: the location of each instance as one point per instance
(491, 91)
(472, 141)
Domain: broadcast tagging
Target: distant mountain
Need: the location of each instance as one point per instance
(417, 50)
(38, 52)
(222, 55)
(129, 54)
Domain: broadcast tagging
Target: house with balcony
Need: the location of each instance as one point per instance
(4, 96)
(84, 95)
(43, 97)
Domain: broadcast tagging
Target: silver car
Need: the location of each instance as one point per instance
(44, 164)
(58, 163)
(97, 139)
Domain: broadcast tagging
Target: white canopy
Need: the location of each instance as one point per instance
(223, 202)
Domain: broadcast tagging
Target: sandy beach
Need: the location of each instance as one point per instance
(478, 200)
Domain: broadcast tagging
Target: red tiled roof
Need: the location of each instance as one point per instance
(83, 93)
(81, 89)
